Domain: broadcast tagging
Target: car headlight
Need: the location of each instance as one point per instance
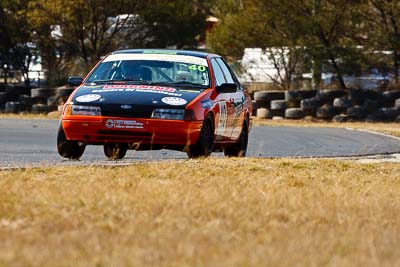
(83, 110)
(172, 114)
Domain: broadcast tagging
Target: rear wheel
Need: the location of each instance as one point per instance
(205, 143)
(239, 148)
(115, 150)
(68, 149)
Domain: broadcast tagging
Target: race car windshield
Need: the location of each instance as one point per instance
(184, 73)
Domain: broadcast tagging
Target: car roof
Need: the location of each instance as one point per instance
(165, 51)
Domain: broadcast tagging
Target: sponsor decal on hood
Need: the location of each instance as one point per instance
(174, 101)
(88, 98)
(133, 95)
(138, 88)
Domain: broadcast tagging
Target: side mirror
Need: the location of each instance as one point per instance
(75, 80)
(227, 88)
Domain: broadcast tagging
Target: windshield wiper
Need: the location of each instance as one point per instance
(182, 83)
(119, 80)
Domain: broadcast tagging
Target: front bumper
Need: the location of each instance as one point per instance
(144, 131)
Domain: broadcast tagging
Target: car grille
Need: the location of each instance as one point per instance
(134, 112)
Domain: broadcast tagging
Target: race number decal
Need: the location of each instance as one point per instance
(222, 118)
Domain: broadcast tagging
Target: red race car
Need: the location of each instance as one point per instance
(156, 99)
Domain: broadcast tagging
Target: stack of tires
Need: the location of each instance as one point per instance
(269, 104)
(336, 105)
(17, 99)
(11, 96)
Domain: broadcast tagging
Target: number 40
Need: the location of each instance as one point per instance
(197, 67)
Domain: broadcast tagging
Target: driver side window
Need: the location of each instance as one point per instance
(225, 71)
(218, 74)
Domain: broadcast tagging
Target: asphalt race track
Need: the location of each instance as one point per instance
(33, 143)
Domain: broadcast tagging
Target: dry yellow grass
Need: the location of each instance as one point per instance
(211, 212)
(392, 128)
(30, 116)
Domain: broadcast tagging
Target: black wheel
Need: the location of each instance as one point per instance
(239, 149)
(68, 149)
(115, 150)
(205, 143)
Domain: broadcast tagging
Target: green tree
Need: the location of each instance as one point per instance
(176, 23)
(383, 16)
(322, 29)
(15, 51)
(86, 31)
(89, 29)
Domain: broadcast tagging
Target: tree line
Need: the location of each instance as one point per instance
(345, 36)
(72, 35)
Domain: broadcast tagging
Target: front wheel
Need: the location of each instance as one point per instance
(205, 144)
(239, 148)
(115, 150)
(68, 149)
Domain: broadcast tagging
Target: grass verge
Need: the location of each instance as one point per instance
(30, 116)
(211, 212)
(391, 128)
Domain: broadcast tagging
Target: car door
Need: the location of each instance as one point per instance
(224, 101)
(236, 100)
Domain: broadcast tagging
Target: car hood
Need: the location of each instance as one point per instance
(143, 95)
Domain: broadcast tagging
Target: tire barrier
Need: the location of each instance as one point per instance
(356, 112)
(3, 97)
(278, 105)
(12, 107)
(370, 106)
(41, 92)
(52, 102)
(390, 113)
(340, 118)
(311, 103)
(21, 98)
(326, 112)
(64, 91)
(357, 97)
(397, 103)
(294, 113)
(329, 95)
(39, 109)
(335, 105)
(342, 103)
(264, 113)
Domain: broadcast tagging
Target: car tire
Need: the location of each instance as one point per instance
(340, 118)
(342, 103)
(397, 103)
(294, 113)
(278, 104)
(68, 149)
(64, 91)
(12, 107)
(263, 113)
(115, 150)
(3, 97)
(326, 112)
(239, 149)
(205, 144)
(356, 112)
(39, 109)
(310, 103)
(390, 113)
(41, 92)
(328, 95)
